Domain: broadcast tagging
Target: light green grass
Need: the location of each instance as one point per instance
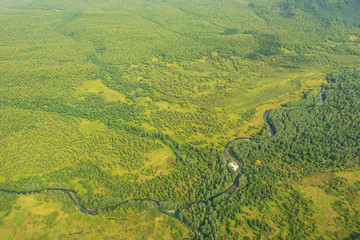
(97, 87)
(36, 218)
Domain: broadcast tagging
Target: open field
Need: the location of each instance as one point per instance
(97, 87)
(328, 219)
(41, 217)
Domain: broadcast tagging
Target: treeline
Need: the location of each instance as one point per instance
(310, 137)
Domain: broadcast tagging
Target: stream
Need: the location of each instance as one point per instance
(265, 117)
(73, 195)
(322, 96)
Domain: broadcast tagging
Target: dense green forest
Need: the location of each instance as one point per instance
(310, 137)
(121, 100)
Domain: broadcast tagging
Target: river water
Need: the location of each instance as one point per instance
(73, 195)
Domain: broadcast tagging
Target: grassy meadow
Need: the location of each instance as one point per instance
(43, 217)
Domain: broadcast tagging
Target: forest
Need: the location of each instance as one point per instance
(120, 116)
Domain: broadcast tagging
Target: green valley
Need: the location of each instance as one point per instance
(119, 119)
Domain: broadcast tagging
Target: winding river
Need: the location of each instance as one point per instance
(73, 195)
